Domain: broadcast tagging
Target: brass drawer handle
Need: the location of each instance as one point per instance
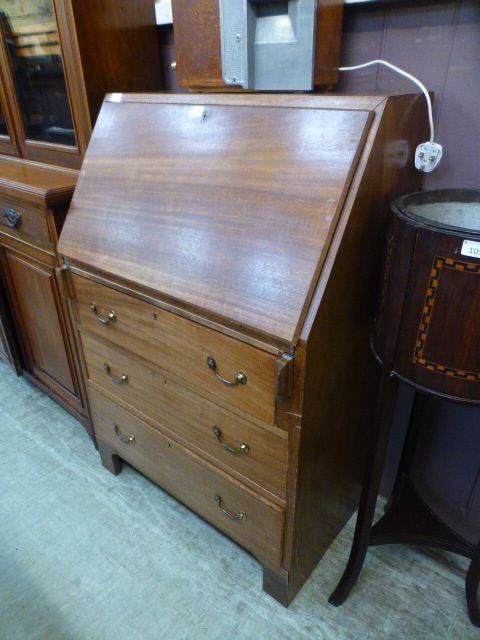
(123, 379)
(111, 316)
(241, 515)
(12, 217)
(243, 448)
(240, 378)
(129, 440)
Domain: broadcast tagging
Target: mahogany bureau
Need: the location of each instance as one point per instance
(221, 253)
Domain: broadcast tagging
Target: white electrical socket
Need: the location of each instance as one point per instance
(427, 156)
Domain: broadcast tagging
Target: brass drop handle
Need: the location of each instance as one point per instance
(240, 378)
(129, 440)
(111, 316)
(243, 448)
(12, 217)
(241, 515)
(123, 379)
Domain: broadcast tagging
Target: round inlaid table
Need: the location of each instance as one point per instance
(426, 334)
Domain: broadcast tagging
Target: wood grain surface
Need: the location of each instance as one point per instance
(157, 398)
(182, 347)
(118, 47)
(233, 213)
(438, 351)
(341, 376)
(33, 220)
(197, 43)
(266, 218)
(28, 264)
(36, 183)
(192, 480)
(39, 313)
(328, 41)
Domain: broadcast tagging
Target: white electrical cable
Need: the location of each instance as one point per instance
(407, 75)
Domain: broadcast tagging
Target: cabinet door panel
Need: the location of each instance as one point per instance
(38, 313)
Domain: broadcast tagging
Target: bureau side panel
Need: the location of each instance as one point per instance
(341, 375)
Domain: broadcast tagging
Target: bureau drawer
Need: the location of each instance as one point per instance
(181, 346)
(193, 481)
(22, 219)
(261, 462)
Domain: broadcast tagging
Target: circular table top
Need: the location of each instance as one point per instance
(448, 209)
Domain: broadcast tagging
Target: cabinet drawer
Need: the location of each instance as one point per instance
(261, 464)
(182, 347)
(22, 219)
(193, 481)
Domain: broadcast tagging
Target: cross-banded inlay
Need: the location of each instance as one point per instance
(439, 264)
(388, 260)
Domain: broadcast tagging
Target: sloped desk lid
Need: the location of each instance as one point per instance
(230, 214)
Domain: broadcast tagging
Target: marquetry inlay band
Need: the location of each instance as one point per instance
(388, 261)
(439, 264)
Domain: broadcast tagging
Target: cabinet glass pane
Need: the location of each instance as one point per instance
(3, 124)
(34, 55)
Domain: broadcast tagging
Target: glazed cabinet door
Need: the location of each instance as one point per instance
(39, 315)
(35, 60)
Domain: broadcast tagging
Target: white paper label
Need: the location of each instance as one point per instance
(116, 97)
(163, 11)
(197, 111)
(471, 248)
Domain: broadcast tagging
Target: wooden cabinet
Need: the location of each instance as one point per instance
(58, 58)
(33, 209)
(196, 26)
(223, 265)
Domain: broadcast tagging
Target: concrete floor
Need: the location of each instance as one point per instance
(86, 555)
